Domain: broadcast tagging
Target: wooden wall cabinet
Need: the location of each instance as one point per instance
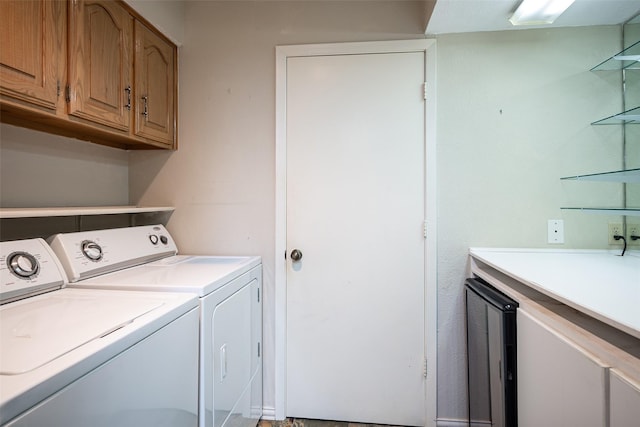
(33, 51)
(100, 63)
(93, 70)
(154, 86)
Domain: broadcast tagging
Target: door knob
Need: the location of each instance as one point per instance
(296, 255)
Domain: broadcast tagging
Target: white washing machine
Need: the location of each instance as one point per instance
(229, 291)
(79, 357)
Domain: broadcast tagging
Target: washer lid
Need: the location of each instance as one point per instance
(36, 332)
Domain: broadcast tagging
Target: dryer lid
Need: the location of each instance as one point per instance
(196, 274)
(35, 331)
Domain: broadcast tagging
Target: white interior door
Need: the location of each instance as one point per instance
(355, 209)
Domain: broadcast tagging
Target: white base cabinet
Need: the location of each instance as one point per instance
(559, 384)
(575, 369)
(624, 400)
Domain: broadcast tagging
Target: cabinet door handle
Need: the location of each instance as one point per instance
(128, 90)
(145, 113)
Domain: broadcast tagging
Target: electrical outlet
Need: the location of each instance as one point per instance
(633, 230)
(615, 229)
(555, 231)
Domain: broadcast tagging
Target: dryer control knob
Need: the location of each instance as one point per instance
(164, 240)
(154, 239)
(23, 264)
(91, 250)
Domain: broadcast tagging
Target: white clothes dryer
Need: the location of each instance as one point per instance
(229, 291)
(79, 357)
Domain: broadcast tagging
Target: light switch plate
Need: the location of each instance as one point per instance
(555, 231)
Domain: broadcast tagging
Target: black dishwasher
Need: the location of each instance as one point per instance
(491, 355)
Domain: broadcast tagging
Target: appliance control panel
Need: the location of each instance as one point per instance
(28, 267)
(90, 253)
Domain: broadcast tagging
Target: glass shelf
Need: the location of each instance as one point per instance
(625, 60)
(628, 176)
(630, 116)
(608, 211)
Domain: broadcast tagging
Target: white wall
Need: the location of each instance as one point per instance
(38, 169)
(166, 15)
(514, 113)
(222, 178)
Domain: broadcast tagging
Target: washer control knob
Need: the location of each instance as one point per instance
(92, 250)
(164, 240)
(23, 264)
(154, 239)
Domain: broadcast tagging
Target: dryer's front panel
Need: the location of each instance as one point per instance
(232, 353)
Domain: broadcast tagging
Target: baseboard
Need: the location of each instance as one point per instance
(268, 413)
(449, 422)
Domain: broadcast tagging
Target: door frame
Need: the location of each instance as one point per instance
(428, 47)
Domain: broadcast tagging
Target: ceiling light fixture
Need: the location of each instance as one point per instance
(539, 12)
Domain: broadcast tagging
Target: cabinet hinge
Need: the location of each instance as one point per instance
(58, 88)
(67, 93)
(424, 367)
(424, 91)
(258, 294)
(424, 229)
(258, 349)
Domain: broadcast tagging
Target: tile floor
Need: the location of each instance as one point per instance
(302, 422)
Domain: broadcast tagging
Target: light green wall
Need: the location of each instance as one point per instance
(514, 114)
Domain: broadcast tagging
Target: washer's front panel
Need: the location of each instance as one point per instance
(145, 386)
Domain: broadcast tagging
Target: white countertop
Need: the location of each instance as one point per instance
(601, 284)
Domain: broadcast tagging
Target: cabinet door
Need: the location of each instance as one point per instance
(100, 63)
(33, 49)
(154, 86)
(625, 400)
(559, 384)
